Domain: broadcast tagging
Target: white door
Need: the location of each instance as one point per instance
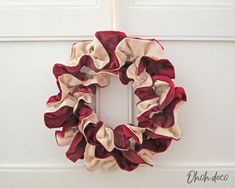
(199, 39)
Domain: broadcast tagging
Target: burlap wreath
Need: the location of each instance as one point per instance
(92, 63)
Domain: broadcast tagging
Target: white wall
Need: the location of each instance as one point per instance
(199, 38)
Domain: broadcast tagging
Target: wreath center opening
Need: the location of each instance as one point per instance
(114, 103)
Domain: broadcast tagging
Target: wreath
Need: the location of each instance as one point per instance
(91, 65)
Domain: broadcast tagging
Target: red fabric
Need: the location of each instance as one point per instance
(91, 131)
(64, 117)
(105, 37)
(155, 67)
(145, 93)
(60, 69)
(122, 74)
(77, 148)
(101, 152)
(171, 92)
(156, 145)
(146, 115)
(88, 89)
(88, 62)
(133, 157)
(127, 160)
(147, 124)
(166, 117)
(122, 134)
(83, 110)
(170, 96)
